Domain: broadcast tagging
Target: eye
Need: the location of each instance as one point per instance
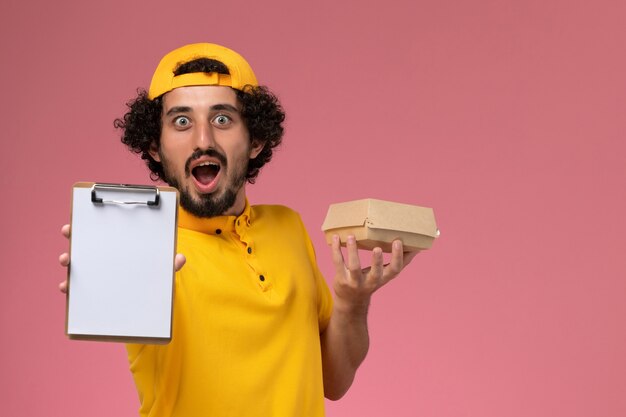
(182, 121)
(222, 120)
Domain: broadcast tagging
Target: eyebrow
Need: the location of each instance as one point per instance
(225, 106)
(186, 109)
(178, 109)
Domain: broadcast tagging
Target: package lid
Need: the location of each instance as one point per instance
(380, 214)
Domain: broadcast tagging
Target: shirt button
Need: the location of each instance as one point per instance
(261, 277)
(249, 250)
(218, 231)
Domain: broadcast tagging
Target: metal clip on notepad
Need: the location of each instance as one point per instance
(124, 187)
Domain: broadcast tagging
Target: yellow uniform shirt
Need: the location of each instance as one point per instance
(249, 306)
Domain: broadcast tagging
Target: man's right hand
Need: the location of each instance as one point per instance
(64, 259)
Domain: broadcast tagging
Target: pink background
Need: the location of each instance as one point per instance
(506, 116)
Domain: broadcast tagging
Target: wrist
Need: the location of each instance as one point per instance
(352, 307)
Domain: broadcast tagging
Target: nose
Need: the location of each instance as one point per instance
(204, 137)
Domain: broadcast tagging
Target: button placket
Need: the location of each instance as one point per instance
(253, 262)
(241, 227)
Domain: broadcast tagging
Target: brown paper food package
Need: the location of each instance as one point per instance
(377, 223)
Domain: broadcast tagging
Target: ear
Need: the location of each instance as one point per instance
(256, 148)
(154, 151)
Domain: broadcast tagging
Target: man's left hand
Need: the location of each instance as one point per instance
(354, 285)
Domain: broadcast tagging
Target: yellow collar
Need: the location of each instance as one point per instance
(211, 225)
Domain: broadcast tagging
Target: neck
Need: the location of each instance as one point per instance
(239, 205)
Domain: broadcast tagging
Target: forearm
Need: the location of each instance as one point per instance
(345, 343)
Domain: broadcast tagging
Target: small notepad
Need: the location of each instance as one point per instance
(121, 273)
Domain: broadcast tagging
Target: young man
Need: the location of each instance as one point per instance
(255, 331)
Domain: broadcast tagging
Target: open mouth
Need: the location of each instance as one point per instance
(206, 172)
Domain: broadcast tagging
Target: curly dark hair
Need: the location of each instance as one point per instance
(260, 110)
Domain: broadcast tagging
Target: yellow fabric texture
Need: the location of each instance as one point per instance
(249, 306)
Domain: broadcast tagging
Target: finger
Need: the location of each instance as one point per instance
(338, 260)
(179, 261)
(65, 230)
(376, 270)
(64, 259)
(407, 257)
(63, 287)
(397, 260)
(354, 263)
